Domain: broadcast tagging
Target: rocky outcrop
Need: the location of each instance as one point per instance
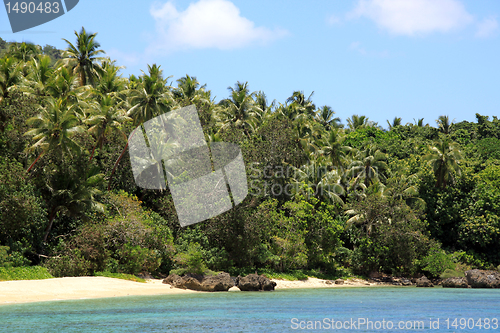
(254, 282)
(483, 279)
(339, 281)
(220, 282)
(424, 282)
(455, 282)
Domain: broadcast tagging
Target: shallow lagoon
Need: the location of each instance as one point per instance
(266, 311)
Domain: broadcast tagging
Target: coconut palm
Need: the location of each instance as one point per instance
(53, 128)
(331, 147)
(395, 122)
(297, 106)
(151, 97)
(315, 179)
(107, 117)
(324, 116)
(445, 157)
(24, 52)
(11, 75)
(72, 195)
(239, 110)
(368, 165)
(41, 73)
(82, 58)
(189, 91)
(444, 124)
(110, 82)
(355, 122)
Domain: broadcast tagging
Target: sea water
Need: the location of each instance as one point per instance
(384, 309)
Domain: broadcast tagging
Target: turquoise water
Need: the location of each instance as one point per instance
(266, 312)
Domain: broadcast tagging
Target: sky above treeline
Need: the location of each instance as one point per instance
(380, 58)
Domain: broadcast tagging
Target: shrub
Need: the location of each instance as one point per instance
(24, 273)
(191, 261)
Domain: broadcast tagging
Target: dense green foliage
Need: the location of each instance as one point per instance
(323, 200)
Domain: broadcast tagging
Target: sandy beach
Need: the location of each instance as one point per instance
(24, 291)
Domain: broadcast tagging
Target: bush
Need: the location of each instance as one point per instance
(437, 261)
(24, 273)
(191, 261)
(122, 276)
(448, 273)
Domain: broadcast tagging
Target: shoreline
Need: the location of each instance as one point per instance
(74, 288)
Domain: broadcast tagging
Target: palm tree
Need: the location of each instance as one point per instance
(24, 51)
(368, 164)
(445, 157)
(299, 107)
(315, 179)
(190, 92)
(396, 122)
(72, 195)
(151, 97)
(325, 117)
(82, 58)
(239, 110)
(107, 117)
(331, 147)
(41, 73)
(10, 76)
(110, 82)
(444, 124)
(355, 122)
(53, 129)
(420, 122)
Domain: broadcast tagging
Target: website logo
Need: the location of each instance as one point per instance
(28, 14)
(204, 180)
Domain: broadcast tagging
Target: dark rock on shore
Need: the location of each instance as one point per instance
(339, 281)
(483, 279)
(424, 282)
(220, 282)
(255, 282)
(455, 282)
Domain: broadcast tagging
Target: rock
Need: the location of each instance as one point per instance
(329, 282)
(339, 281)
(424, 282)
(455, 282)
(220, 282)
(254, 282)
(406, 282)
(483, 279)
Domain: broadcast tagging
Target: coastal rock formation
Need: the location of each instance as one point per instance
(339, 281)
(220, 282)
(254, 282)
(483, 279)
(455, 282)
(424, 282)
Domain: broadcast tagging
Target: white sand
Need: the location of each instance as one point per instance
(319, 283)
(79, 288)
(97, 287)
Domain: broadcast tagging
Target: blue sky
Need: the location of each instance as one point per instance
(379, 58)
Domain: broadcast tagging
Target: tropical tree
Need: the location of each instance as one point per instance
(444, 124)
(368, 165)
(315, 179)
(53, 129)
(395, 122)
(356, 121)
(444, 157)
(239, 110)
(107, 117)
(298, 107)
(82, 58)
(324, 116)
(11, 75)
(72, 195)
(189, 91)
(151, 97)
(41, 73)
(24, 51)
(331, 147)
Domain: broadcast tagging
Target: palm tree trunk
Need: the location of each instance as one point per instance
(49, 226)
(36, 160)
(119, 159)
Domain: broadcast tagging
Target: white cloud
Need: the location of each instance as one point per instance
(333, 19)
(413, 17)
(356, 46)
(487, 27)
(207, 24)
